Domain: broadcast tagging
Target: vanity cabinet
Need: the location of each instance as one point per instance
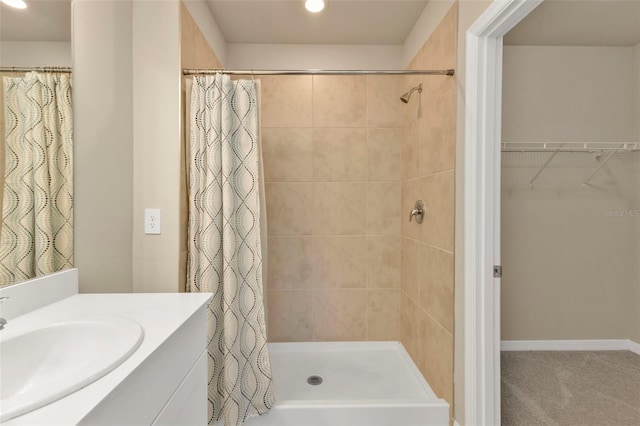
(168, 388)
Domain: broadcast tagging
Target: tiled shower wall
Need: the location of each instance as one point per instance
(428, 163)
(332, 154)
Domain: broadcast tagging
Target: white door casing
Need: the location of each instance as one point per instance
(482, 207)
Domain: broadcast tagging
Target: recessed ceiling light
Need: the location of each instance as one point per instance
(314, 6)
(18, 4)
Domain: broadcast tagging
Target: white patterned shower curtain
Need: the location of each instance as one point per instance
(37, 209)
(224, 253)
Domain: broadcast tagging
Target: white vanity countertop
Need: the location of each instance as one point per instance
(160, 315)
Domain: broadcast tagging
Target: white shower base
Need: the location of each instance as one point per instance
(364, 384)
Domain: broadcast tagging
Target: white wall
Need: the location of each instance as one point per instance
(126, 65)
(103, 145)
(156, 150)
(569, 264)
(468, 13)
(35, 54)
(316, 56)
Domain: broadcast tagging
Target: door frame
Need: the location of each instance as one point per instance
(483, 120)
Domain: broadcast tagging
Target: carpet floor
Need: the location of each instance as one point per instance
(599, 388)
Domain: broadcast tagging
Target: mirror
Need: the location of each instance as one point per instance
(36, 160)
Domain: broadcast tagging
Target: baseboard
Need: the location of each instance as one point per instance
(570, 345)
(455, 423)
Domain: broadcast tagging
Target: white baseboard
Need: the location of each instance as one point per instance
(571, 345)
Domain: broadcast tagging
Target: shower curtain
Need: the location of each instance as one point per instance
(37, 208)
(224, 253)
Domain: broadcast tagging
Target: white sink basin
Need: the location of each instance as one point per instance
(42, 365)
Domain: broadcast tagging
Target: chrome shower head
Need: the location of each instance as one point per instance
(405, 98)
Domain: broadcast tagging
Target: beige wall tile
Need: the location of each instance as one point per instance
(439, 52)
(339, 208)
(195, 51)
(384, 108)
(287, 154)
(290, 316)
(410, 332)
(340, 262)
(410, 269)
(438, 135)
(383, 314)
(436, 285)
(383, 208)
(384, 148)
(411, 150)
(383, 260)
(290, 262)
(339, 154)
(288, 207)
(436, 357)
(339, 101)
(339, 314)
(411, 192)
(438, 224)
(286, 101)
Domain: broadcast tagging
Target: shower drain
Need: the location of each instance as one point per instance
(314, 380)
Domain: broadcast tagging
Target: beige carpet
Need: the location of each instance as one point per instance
(598, 388)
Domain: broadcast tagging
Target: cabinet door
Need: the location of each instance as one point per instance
(188, 405)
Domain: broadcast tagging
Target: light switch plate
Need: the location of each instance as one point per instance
(152, 221)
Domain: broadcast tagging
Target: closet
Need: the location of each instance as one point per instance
(570, 220)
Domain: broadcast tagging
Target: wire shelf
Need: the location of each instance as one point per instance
(619, 147)
(554, 148)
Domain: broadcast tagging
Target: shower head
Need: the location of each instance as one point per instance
(405, 98)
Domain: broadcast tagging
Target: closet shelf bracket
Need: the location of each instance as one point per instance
(544, 166)
(586, 182)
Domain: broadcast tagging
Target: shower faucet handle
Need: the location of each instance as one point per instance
(418, 212)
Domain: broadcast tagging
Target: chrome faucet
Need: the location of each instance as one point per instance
(3, 321)
(418, 211)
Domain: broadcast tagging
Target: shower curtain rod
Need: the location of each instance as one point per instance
(316, 72)
(41, 69)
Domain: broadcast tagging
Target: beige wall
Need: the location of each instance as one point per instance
(636, 72)
(156, 150)
(569, 265)
(331, 148)
(427, 253)
(571, 94)
(636, 50)
(635, 334)
(103, 145)
(313, 56)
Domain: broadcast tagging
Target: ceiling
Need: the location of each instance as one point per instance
(42, 20)
(579, 23)
(341, 22)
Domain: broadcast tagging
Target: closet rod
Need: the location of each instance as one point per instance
(41, 69)
(316, 72)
